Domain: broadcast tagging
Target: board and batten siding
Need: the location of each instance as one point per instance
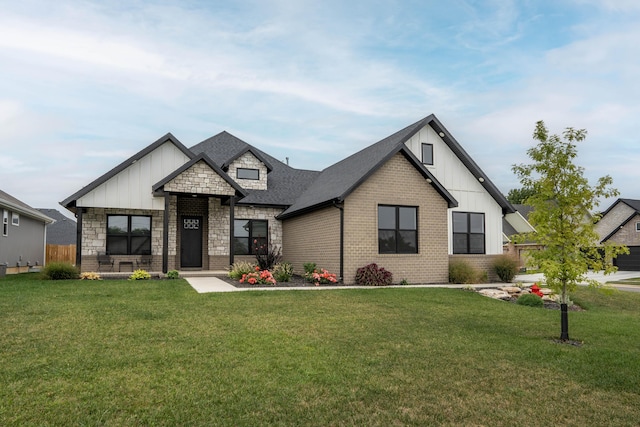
(463, 186)
(131, 188)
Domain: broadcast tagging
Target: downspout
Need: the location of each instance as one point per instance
(165, 235)
(44, 255)
(232, 204)
(340, 206)
(79, 212)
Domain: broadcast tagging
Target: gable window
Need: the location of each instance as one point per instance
(249, 236)
(15, 219)
(397, 229)
(5, 222)
(128, 235)
(468, 233)
(244, 173)
(427, 154)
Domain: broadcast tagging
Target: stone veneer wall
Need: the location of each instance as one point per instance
(199, 179)
(193, 206)
(249, 161)
(94, 237)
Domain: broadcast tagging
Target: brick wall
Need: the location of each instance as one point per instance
(397, 183)
(627, 235)
(613, 219)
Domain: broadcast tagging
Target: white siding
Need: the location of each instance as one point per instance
(463, 186)
(131, 188)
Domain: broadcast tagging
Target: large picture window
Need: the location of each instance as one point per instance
(244, 173)
(397, 229)
(128, 235)
(468, 233)
(249, 235)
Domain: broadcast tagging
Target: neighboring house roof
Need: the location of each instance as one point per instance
(70, 201)
(633, 204)
(284, 183)
(62, 231)
(517, 222)
(336, 182)
(525, 210)
(15, 205)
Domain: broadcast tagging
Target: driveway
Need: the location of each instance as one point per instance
(600, 277)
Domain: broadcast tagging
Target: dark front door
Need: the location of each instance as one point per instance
(191, 242)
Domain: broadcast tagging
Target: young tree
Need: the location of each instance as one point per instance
(562, 200)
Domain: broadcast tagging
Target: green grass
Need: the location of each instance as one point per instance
(630, 281)
(157, 353)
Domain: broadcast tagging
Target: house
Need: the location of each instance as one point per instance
(620, 224)
(515, 224)
(24, 231)
(409, 202)
(62, 231)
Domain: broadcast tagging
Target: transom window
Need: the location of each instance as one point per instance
(244, 173)
(427, 154)
(249, 236)
(15, 219)
(397, 229)
(128, 235)
(468, 233)
(5, 222)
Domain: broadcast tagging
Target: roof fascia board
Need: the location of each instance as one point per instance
(70, 201)
(255, 154)
(32, 213)
(625, 222)
(308, 209)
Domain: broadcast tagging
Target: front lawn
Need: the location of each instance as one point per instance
(157, 353)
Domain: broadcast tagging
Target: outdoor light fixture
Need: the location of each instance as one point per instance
(429, 181)
(481, 179)
(441, 134)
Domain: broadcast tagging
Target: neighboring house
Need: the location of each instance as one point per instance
(62, 231)
(410, 202)
(24, 231)
(514, 224)
(620, 224)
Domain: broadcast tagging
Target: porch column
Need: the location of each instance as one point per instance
(232, 203)
(79, 212)
(165, 236)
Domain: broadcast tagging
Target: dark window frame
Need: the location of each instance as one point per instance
(397, 231)
(129, 236)
(257, 173)
(5, 222)
(251, 246)
(424, 161)
(468, 234)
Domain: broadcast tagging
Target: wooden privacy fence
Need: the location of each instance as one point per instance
(61, 253)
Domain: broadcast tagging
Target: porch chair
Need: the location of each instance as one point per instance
(144, 262)
(104, 259)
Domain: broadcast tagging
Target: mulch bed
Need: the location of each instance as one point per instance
(295, 282)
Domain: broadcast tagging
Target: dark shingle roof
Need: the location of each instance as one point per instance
(337, 181)
(62, 231)
(284, 183)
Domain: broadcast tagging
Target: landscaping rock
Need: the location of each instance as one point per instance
(495, 293)
(511, 289)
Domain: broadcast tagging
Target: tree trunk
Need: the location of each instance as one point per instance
(564, 322)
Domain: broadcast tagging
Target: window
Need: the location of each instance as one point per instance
(15, 219)
(468, 233)
(244, 173)
(128, 235)
(638, 226)
(397, 229)
(249, 235)
(427, 154)
(5, 222)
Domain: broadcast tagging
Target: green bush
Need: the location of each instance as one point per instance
(60, 271)
(530, 300)
(506, 268)
(282, 272)
(240, 268)
(371, 275)
(309, 268)
(461, 272)
(173, 274)
(140, 275)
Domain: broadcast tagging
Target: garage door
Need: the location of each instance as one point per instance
(629, 262)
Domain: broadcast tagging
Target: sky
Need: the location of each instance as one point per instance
(84, 85)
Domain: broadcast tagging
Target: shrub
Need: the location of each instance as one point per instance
(461, 272)
(258, 277)
(90, 276)
(282, 272)
(506, 268)
(530, 300)
(238, 269)
(267, 255)
(173, 274)
(309, 267)
(60, 271)
(371, 275)
(322, 277)
(140, 275)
